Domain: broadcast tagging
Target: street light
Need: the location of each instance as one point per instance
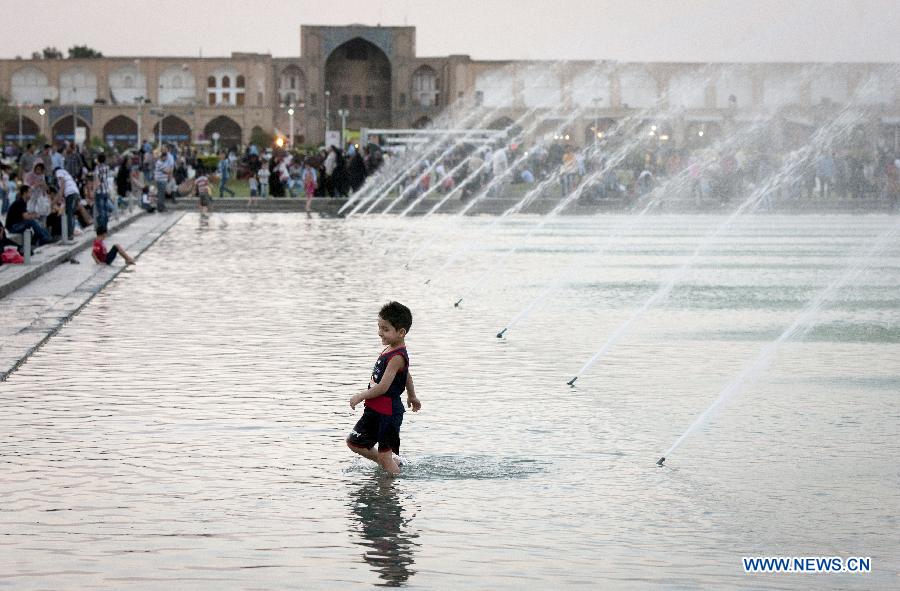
(215, 137)
(42, 111)
(343, 113)
(327, 113)
(291, 116)
(597, 132)
(140, 103)
(19, 138)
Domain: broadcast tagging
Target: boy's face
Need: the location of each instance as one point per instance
(390, 336)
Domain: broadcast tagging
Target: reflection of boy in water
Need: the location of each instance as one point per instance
(378, 518)
(383, 414)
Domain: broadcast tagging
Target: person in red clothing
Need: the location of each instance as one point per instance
(383, 413)
(105, 256)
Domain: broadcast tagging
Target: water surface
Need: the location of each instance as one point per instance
(186, 429)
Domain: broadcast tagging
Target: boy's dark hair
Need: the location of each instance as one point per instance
(101, 158)
(24, 189)
(397, 315)
(101, 230)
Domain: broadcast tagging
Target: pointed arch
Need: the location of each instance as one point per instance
(228, 129)
(120, 131)
(360, 68)
(174, 129)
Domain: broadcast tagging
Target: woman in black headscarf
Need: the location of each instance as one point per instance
(357, 171)
(340, 176)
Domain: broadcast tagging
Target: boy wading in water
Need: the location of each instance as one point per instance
(383, 413)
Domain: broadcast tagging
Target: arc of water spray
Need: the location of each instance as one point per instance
(431, 166)
(614, 160)
(453, 191)
(502, 134)
(484, 191)
(623, 127)
(804, 322)
(626, 126)
(653, 199)
(401, 164)
(822, 139)
(379, 194)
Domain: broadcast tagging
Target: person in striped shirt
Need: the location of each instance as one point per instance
(103, 205)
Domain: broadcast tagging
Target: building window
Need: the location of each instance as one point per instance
(313, 99)
(357, 101)
(226, 98)
(345, 101)
(240, 81)
(293, 82)
(226, 82)
(212, 99)
(240, 99)
(211, 82)
(402, 99)
(370, 101)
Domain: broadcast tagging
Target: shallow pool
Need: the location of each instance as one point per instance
(186, 429)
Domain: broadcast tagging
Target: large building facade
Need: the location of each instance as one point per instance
(371, 77)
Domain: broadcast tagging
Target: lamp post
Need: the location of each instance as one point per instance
(19, 138)
(140, 103)
(42, 111)
(215, 138)
(291, 116)
(596, 102)
(74, 114)
(343, 113)
(327, 112)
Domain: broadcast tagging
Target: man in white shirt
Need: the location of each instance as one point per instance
(69, 189)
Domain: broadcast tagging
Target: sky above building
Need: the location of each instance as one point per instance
(626, 30)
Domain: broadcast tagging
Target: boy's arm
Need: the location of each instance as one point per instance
(394, 365)
(411, 400)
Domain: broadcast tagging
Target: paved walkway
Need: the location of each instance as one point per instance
(37, 299)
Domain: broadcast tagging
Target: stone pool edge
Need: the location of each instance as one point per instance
(86, 290)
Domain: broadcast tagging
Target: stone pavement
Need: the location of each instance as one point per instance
(38, 299)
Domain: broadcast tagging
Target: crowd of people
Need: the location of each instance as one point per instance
(49, 187)
(705, 174)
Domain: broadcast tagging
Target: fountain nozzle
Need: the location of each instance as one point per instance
(572, 381)
(500, 334)
(456, 304)
(660, 461)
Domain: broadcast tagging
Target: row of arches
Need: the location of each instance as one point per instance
(639, 88)
(123, 130)
(177, 85)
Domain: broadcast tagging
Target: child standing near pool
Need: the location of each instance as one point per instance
(383, 413)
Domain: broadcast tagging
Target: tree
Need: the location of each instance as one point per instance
(7, 112)
(261, 138)
(51, 53)
(83, 51)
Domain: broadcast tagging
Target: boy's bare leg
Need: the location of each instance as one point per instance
(386, 461)
(128, 259)
(383, 459)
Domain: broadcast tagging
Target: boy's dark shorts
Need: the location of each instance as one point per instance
(376, 428)
(111, 255)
